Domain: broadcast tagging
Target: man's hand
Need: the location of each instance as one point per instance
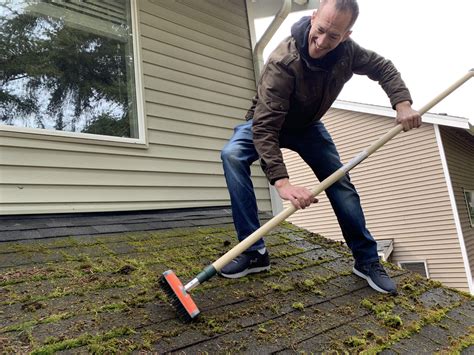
(408, 117)
(299, 196)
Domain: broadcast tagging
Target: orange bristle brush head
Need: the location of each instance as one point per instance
(179, 298)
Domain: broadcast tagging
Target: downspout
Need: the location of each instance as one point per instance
(277, 205)
(267, 36)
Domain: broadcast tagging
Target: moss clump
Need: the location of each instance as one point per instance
(459, 344)
(279, 286)
(408, 287)
(308, 283)
(85, 339)
(383, 311)
(393, 321)
(383, 308)
(298, 305)
(29, 324)
(366, 304)
(430, 317)
(213, 327)
(355, 342)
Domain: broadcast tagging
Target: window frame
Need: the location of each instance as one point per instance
(464, 193)
(79, 137)
(416, 262)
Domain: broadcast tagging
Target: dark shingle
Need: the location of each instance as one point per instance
(96, 274)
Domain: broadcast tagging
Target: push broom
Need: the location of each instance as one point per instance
(179, 295)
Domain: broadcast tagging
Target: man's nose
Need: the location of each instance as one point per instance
(322, 41)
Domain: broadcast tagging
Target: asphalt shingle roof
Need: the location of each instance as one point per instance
(87, 283)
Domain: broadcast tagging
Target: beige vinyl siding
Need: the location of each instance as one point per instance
(403, 192)
(198, 80)
(459, 149)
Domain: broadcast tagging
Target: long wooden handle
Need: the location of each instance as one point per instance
(283, 215)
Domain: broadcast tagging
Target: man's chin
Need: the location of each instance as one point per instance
(317, 55)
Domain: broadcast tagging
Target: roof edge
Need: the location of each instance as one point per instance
(432, 118)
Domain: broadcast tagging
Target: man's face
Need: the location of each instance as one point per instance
(329, 27)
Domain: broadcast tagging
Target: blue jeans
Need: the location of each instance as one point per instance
(316, 148)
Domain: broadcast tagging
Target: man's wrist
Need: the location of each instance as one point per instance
(402, 104)
(281, 182)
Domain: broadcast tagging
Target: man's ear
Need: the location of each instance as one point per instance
(346, 36)
(313, 17)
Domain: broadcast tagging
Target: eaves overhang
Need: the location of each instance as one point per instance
(268, 8)
(432, 118)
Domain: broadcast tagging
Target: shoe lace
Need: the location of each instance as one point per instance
(377, 267)
(238, 258)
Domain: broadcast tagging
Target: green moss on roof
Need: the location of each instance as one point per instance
(99, 294)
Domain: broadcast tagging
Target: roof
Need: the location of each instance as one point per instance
(87, 283)
(432, 118)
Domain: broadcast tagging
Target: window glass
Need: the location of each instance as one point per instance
(469, 197)
(68, 66)
(415, 266)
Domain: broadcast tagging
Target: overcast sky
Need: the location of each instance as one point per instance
(431, 42)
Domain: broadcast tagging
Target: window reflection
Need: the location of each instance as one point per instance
(68, 66)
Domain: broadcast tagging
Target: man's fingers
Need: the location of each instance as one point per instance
(408, 124)
(302, 203)
(300, 197)
(295, 202)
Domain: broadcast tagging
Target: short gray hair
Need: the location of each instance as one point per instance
(345, 5)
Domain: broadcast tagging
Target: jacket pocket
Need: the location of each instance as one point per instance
(277, 104)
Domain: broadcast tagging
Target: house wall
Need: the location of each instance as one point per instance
(459, 150)
(198, 80)
(403, 192)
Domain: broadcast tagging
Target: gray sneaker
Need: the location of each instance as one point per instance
(376, 276)
(246, 263)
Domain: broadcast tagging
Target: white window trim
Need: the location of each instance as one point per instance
(64, 136)
(471, 220)
(416, 262)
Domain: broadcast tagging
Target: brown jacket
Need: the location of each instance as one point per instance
(292, 94)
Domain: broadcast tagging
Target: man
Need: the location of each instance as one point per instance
(299, 83)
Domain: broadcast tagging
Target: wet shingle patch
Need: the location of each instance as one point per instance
(97, 293)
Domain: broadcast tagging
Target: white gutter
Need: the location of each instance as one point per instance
(432, 118)
(457, 221)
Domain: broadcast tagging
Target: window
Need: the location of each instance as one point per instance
(419, 267)
(469, 197)
(68, 66)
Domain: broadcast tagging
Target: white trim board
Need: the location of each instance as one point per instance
(443, 120)
(457, 222)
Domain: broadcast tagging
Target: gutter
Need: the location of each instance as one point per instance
(432, 118)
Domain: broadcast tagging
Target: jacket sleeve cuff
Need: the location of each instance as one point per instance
(274, 180)
(397, 100)
(276, 175)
